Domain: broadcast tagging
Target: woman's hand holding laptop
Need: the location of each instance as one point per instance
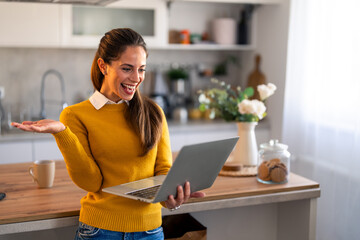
(183, 195)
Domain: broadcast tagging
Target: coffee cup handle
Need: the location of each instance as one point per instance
(32, 174)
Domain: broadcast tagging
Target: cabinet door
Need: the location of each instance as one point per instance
(29, 24)
(83, 26)
(46, 150)
(15, 152)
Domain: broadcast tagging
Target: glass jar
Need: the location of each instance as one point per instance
(273, 163)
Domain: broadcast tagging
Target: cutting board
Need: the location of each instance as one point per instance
(256, 78)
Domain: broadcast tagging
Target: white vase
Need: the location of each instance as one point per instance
(223, 31)
(246, 150)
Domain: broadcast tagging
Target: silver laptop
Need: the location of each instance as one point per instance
(199, 164)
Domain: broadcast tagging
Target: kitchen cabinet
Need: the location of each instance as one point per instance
(52, 25)
(83, 26)
(46, 149)
(28, 150)
(192, 15)
(29, 25)
(15, 152)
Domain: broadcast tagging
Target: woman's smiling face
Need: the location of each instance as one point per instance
(124, 75)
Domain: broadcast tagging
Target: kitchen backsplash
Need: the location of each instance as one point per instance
(22, 70)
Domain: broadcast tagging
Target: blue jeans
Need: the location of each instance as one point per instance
(88, 232)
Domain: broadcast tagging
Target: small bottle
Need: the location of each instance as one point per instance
(243, 29)
(185, 37)
(273, 163)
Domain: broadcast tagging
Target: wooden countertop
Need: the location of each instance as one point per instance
(26, 202)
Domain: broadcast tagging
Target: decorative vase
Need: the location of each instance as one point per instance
(246, 150)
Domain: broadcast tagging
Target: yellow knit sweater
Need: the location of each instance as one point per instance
(101, 150)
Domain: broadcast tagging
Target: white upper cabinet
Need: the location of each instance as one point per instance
(83, 26)
(29, 24)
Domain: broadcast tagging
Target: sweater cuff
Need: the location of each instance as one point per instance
(65, 137)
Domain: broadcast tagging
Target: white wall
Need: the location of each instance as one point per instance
(272, 40)
(22, 69)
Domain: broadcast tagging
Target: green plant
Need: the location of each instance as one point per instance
(177, 73)
(234, 104)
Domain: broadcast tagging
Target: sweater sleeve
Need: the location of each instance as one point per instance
(75, 149)
(164, 155)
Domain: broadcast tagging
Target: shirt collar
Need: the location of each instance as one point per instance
(98, 100)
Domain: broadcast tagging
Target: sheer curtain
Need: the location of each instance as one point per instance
(322, 109)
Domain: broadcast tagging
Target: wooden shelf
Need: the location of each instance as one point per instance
(207, 47)
(237, 1)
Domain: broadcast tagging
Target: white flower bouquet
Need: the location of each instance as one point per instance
(235, 105)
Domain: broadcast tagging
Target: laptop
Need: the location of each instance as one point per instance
(199, 164)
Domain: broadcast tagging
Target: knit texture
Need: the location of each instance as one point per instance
(101, 150)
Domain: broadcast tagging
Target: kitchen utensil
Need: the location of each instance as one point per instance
(256, 78)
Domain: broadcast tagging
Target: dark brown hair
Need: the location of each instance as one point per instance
(142, 114)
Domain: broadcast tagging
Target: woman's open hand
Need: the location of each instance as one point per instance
(183, 194)
(41, 126)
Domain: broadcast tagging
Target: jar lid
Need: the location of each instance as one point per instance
(273, 145)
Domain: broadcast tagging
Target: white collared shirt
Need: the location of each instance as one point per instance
(98, 100)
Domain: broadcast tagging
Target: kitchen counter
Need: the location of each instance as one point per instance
(18, 135)
(28, 208)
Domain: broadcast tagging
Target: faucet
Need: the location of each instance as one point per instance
(42, 96)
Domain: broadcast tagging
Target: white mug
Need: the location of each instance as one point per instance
(43, 172)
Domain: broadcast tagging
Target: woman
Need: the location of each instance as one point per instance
(116, 136)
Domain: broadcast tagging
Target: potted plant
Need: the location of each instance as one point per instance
(177, 77)
(177, 73)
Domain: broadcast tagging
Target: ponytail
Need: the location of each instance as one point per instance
(96, 75)
(146, 118)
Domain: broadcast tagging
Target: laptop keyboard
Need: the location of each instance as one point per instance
(148, 193)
